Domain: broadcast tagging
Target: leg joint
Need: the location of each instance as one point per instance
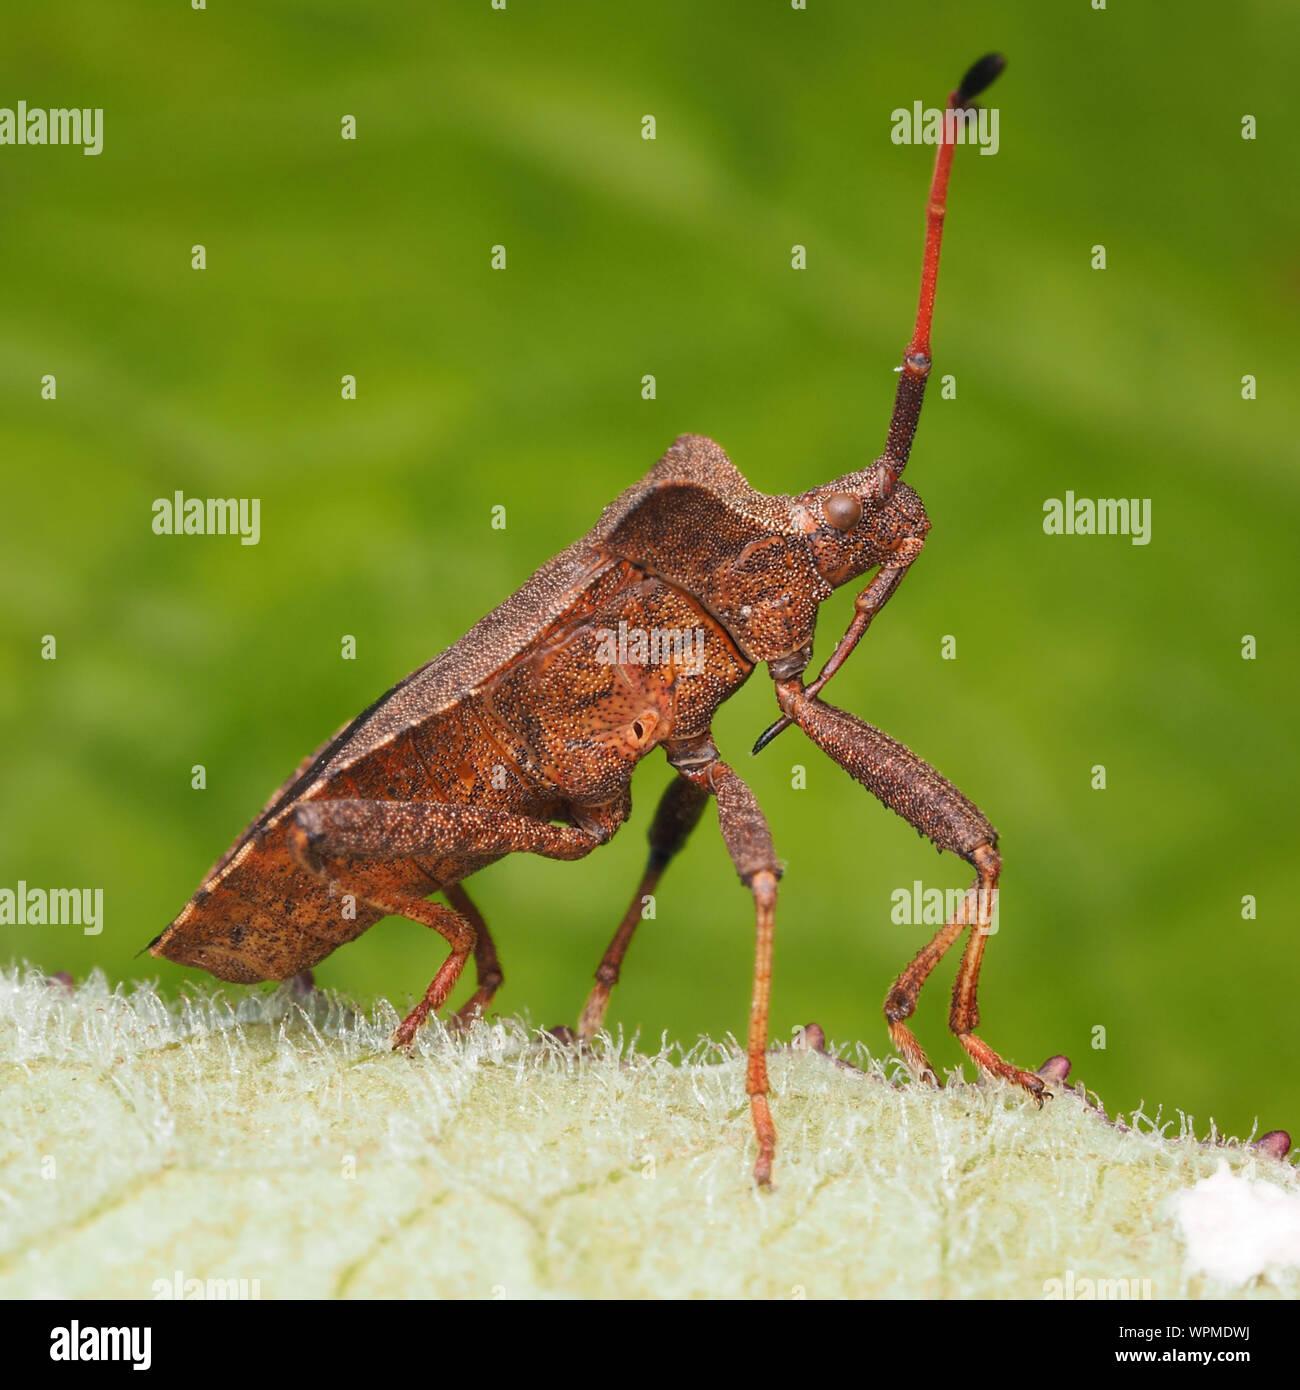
(762, 883)
(899, 1004)
(988, 862)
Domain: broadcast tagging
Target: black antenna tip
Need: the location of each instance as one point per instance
(980, 75)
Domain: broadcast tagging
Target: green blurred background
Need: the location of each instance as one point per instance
(1121, 908)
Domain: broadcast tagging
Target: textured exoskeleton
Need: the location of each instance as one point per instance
(523, 736)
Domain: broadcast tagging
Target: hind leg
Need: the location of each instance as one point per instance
(386, 831)
(487, 968)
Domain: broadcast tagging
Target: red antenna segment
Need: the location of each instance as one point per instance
(916, 360)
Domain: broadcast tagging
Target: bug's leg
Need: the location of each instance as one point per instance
(749, 842)
(487, 968)
(391, 830)
(900, 1002)
(911, 788)
(459, 935)
(964, 1016)
(679, 812)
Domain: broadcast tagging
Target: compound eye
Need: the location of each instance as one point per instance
(842, 510)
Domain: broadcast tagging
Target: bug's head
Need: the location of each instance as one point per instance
(856, 522)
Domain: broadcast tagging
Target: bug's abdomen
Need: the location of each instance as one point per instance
(260, 916)
(553, 735)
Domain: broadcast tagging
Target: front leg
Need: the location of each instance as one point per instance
(911, 788)
(865, 607)
(388, 830)
(486, 962)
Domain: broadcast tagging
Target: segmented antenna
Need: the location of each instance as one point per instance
(916, 360)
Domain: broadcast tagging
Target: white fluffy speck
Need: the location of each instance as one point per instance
(1237, 1229)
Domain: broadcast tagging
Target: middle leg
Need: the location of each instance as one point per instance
(487, 967)
(749, 842)
(678, 814)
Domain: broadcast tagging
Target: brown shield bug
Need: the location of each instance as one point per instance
(523, 735)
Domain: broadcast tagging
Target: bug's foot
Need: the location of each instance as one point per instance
(573, 1038)
(593, 1011)
(990, 1064)
(459, 1022)
(913, 1053)
(404, 1038)
(469, 1013)
(567, 1037)
(765, 1132)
